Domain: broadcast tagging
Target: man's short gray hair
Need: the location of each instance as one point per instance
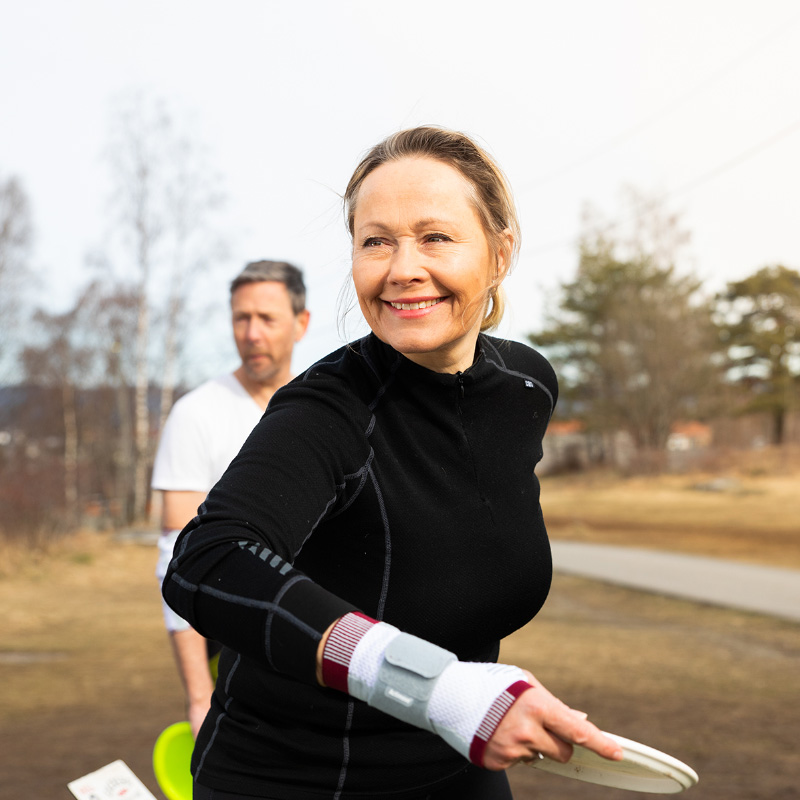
(280, 272)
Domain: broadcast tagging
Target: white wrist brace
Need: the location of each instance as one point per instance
(420, 683)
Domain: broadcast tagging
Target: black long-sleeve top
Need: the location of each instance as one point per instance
(371, 483)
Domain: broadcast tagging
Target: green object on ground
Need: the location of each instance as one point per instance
(172, 757)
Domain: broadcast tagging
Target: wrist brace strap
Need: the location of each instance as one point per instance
(405, 680)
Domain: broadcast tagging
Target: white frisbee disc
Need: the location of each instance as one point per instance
(642, 769)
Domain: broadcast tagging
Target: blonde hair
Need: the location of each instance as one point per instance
(492, 195)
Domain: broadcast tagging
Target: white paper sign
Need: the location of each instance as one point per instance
(115, 781)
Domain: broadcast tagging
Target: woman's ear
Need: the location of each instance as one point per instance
(504, 251)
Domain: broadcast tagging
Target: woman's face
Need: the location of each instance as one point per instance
(422, 262)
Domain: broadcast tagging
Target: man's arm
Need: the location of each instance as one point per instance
(191, 658)
(188, 646)
(179, 507)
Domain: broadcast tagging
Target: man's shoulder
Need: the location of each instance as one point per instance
(220, 387)
(339, 380)
(220, 395)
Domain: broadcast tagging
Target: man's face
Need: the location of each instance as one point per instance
(265, 329)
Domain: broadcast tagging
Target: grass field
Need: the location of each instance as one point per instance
(87, 675)
(746, 516)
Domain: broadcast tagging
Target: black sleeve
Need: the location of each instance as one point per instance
(231, 577)
(526, 361)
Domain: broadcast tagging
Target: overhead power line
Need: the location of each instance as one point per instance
(745, 155)
(699, 180)
(664, 111)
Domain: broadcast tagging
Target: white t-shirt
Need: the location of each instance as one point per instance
(203, 433)
(205, 430)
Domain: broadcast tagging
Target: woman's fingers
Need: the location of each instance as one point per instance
(572, 725)
(523, 733)
(537, 723)
(586, 735)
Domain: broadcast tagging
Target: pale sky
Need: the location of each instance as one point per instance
(698, 101)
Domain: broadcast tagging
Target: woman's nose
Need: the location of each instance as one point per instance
(406, 265)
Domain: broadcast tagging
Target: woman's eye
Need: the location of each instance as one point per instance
(438, 237)
(372, 242)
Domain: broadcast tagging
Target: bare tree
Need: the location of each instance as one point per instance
(192, 198)
(163, 198)
(61, 363)
(15, 242)
(79, 374)
(137, 158)
(113, 312)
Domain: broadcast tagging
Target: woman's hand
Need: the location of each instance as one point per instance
(537, 723)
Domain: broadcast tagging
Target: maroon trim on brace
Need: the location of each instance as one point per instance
(345, 635)
(493, 717)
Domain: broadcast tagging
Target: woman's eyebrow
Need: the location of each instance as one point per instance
(433, 222)
(428, 222)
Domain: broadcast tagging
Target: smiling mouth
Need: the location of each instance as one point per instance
(415, 306)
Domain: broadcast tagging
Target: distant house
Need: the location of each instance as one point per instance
(689, 436)
(566, 447)
(569, 448)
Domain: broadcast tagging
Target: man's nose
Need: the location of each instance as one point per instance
(255, 330)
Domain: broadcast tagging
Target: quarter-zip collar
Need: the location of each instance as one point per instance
(387, 360)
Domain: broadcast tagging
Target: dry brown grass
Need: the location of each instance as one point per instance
(749, 517)
(85, 667)
(77, 619)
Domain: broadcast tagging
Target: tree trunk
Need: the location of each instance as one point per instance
(123, 454)
(170, 356)
(70, 454)
(778, 425)
(141, 413)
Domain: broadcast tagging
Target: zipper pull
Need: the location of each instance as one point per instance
(460, 385)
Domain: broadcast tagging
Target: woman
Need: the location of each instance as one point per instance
(380, 531)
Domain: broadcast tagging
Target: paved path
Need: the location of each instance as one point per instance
(765, 590)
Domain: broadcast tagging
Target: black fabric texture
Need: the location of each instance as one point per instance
(471, 783)
(370, 484)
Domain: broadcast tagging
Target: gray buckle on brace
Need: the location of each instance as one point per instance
(409, 671)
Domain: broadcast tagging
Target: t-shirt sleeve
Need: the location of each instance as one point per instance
(182, 460)
(232, 576)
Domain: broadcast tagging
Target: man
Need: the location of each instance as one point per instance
(207, 427)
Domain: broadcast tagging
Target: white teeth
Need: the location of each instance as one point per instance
(414, 306)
